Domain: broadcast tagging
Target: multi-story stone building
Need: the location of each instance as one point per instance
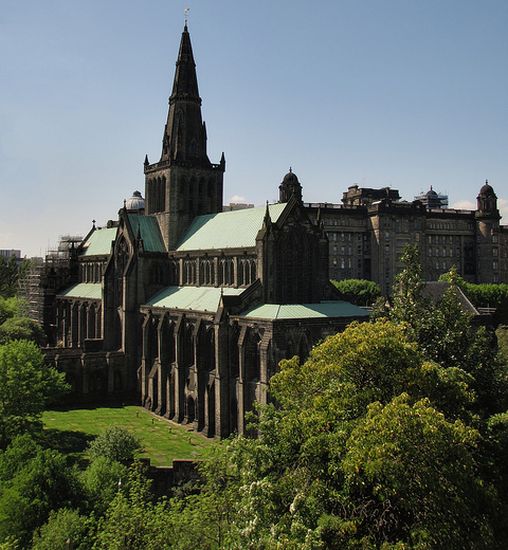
(190, 309)
(369, 230)
(184, 306)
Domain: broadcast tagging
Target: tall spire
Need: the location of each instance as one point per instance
(185, 83)
(184, 135)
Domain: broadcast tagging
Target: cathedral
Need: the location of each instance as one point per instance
(184, 307)
(188, 309)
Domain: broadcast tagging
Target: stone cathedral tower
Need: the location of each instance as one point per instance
(184, 183)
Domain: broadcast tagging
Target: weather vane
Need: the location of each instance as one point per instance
(186, 15)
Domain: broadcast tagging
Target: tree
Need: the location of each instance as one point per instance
(40, 484)
(133, 520)
(116, 444)
(302, 482)
(411, 477)
(9, 307)
(21, 328)
(9, 274)
(65, 528)
(15, 326)
(446, 334)
(358, 291)
(27, 384)
(100, 482)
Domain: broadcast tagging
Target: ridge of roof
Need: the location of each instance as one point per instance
(99, 242)
(234, 229)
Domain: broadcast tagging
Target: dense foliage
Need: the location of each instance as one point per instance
(14, 325)
(115, 444)
(392, 435)
(27, 384)
(11, 271)
(358, 291)
(488, 295)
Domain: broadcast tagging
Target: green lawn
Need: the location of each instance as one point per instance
(162, 441)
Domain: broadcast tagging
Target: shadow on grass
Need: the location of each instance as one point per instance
(66, 441)
(109, 404)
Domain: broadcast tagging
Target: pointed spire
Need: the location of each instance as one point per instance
(223, 161)
(185, 82)
(146, 160)
(267, 220)
(185, 133)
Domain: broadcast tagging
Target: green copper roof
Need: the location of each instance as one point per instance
(196, 298)
(305, 311)
(99, 242)
(236, 229)
(92, 291)
(150, 233)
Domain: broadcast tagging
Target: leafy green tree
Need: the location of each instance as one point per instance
(133, 520)
(358, 291)
(27, 384)
(9, 307)
(446, 334)
(21, 328)
(65, 528)
(42, 484)
(391, 463)
(296, 485)
(116, 444)
(9, 275)
(100, 481)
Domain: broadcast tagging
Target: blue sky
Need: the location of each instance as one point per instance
(405, 93)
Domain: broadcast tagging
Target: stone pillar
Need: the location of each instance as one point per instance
(92, 312)
(201, 363)
(82, 323)
(235, 271)
(241, 381)
(160, 336)
(215, 267)
(198, 272)
(98, 322)
(74, 325)
(181, 272)
(144, 359)
(66, 326)
(179, 370)
(222, 381)
(263, 370)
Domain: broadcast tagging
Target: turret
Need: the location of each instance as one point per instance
(487, 225)
(486, 203)
(290, 187)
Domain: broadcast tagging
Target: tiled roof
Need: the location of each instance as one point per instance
(149, 230)
(305, 311)
(91, 291)
(194, 298)
(236, 229)
(99, 242)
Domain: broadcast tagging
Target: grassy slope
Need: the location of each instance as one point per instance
(162, 441)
